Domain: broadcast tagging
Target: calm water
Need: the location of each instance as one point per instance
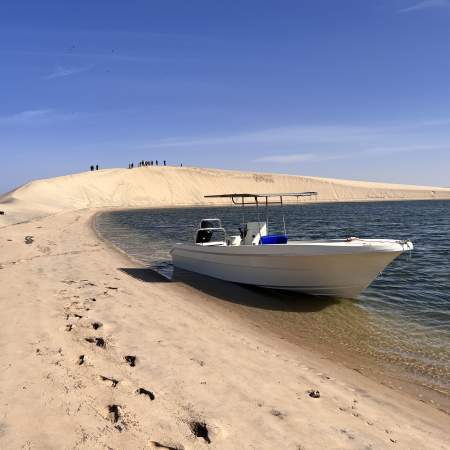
(401, 321)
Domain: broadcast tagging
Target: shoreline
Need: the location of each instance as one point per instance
(368, 366)
(68, 294)
(335, 355)
(101, 209)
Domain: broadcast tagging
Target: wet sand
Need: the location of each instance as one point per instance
(98, 352)
(336, 328)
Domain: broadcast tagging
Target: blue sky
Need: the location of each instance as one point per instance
(351, 89)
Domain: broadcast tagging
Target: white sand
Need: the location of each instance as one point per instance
(201, 362)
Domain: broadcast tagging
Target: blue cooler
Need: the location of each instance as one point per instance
(274, 239)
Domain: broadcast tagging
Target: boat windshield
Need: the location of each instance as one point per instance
(210, 223)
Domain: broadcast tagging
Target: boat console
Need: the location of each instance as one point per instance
(252, 232)
(211, 232)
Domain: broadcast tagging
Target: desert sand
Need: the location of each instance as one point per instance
(98, 352)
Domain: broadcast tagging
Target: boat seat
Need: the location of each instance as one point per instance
(274, 239)
(203, 236)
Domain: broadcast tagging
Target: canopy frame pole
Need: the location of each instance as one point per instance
(259, 219)
(282, 215)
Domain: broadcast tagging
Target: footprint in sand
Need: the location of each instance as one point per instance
(115, 415)
(149, 394)
(98, 341)
(85, 283)
(348, 433)
(198, 361)
(277, 413)
(200, 430)
(112, 288)
(96, 325)
(313, 393)
(155, 444)
(131, 360)
(114, 412)
(77, 316)
(113, 381)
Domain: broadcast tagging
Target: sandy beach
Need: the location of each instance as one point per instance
(98, 352)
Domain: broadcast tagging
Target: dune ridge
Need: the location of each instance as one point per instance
(184, 186)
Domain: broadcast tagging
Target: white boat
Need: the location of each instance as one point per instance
(338, 267)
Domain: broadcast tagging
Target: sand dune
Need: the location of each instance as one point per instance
(176, 186)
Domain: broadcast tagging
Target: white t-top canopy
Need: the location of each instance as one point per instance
(240, 198)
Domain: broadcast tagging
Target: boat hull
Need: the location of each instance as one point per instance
(332, 268)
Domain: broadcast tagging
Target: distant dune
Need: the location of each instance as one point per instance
(184, 186)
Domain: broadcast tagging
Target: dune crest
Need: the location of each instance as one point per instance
(184, 186)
